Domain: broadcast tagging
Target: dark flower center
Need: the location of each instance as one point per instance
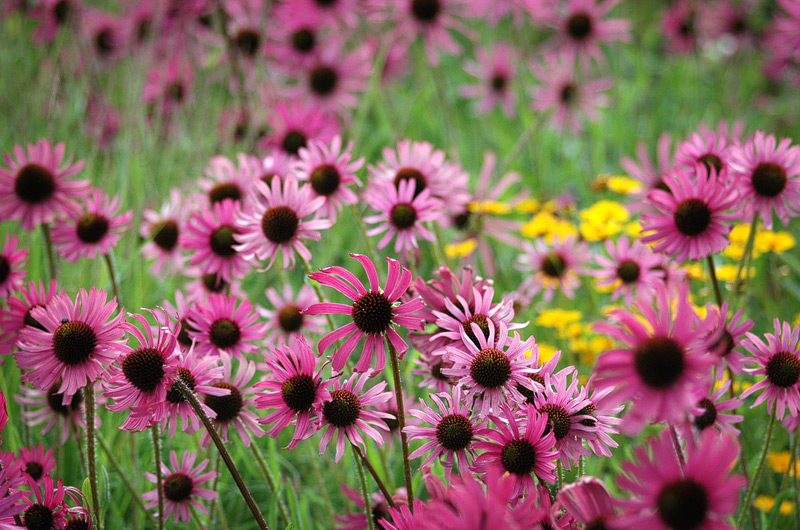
(298, 392)
(490, 368)
(34, 469)
(173, 394)
(38, 517)
(372, 313)
(325, 179)
(74, 342)
(183, 336)
(290, 318)
(5, 269)
(709, 415)
(293, 141)
(248, 41)
(61, 11)
(34, 184)
(342, 410)
(454, 432)
(104, 42)
(425, 10)
(692, 217)
(436, 372)
(303, 40)
(482, 321)
(711, 161)
(165, 234)
(77, 524)
(176, 92)
(461, 221)
(92, 227)
(499, 83)
(598, 523)
(144, 368)
(588, 409)
(213, 283)
(326, 3)
(769, 179)
(222, 241)
(783, 369)
(408, 173)
(659, 362)
(393, 423)
(224, 190)
(143, 30)
(568, 93)
(403, 215)
(226, 407)
(661, 185)
(224, 333)
(54, 399)
(279, 224)
(518, 456)
(683, 504)
(557, 419)
(628, 271)
(724, 344)
(178, 487)
(323, 80)
(553, 265)
(579, 26)
(527, 393)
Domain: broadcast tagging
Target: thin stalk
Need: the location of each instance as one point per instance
(48, 244)
(751, 488)
(412, 264)
(236, 69)
(712, 271)
(159, 478)
(794, 477)
(372, 471)
(81, 453)
(581, 466)
(373, 254)
(522, 141)
(364, 492)
(559, 476)
(112, 275)
(320, 482)
(226, 457)
(401, 419)
(438, 245)
(676, 443)
(284, 511)
(91, 458)
(748, 251)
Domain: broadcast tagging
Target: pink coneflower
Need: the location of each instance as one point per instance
(35, 187)
(767, 174)
(275, 222)
(521, 447)
(48, 408)
(330, 12)
(294, 122)
(431, 363)
(466, 503)
(726, 338)
(373, 312)
(291, 388)
(102, 122)
(402, 214)
(230, 409)
(631, 268)
(783, 38)
(567, 95)
(643, 169)
(204, 285)
(492, 367)
(603, 410)
(36, 462)
(379, 510)
(105, 34)
(180, 487)
(330, 172)
(709, 413)
(589, 502)
(706, 148)
(10, 497)
(335, 78)
(93, 231)
(141, 378)
(79, 339)
(679, 26)
(286, 322)
(700, 495)
(663, 364)
(729, 20)
(342, 412)
(690, 221)
(452, 433)
(45, 509)
(779, 360)
(210, 234)
(52, 15)
(244, 23)
(294, 35)
(495, 70)
(276, 164)
(12, 266)
(226, 324)
(163, 229)
(168, 84)
(226, 180)
(553, 266)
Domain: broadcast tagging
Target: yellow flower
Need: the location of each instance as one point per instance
(556, 318)
(529, 205)
(623, 185)
(561, 230)
(778, 242)
(606, 288)
(602, 220)
(546, 352)
(727, 272)
(765, 504)
(695, 271)
(490, 207)
(539, 225)
(461, 249)
(739, 234)
(780, 462)
(633, 229)
(734, 251)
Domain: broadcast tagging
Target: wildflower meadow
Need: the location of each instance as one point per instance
(399, 264)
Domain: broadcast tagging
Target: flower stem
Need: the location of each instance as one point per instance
(284, 511)
(159, 477)
(581, 466)
(91, 458)
(112, 275)
(438, 245)
(48, 245)
(192, 399)
(320, 482)
(401, 419)
(757, 475)
(738, 283)
(712, 271)
(676, 443)
(364, 492)
(386, 493)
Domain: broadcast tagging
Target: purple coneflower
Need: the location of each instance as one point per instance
(553, 266)
(225, 324)
(679, 27)
(401, 214)
(45, 509)
(335, 78)
(631, 268)
(726, 338)
(226, 180)
(12, 266)
(589, 502)
(294, 35)
(36, 462)
(180, 487)
(163, 230)
(168, 84)
(643, 169)
(294, 122)
(48, 408)
(495, 70)
(211, 233)
(286, 322)
(709, 413)
(709, 149)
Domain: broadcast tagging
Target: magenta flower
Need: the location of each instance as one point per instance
(710, 413)
(521, 447)
(18, 313)
(603, 410)
(589, 502)
(180, 487)
(10, 497)
(553, 266)
(226, 325)
(643, 169)
(78, 340)
(726, 338)
(168, 84)
(52, 15)
(294, 122)
(690, 222)
(679, 27)
(163, 230)
(294, 35)
(291, 387)
(631, 268)
(342, 412)
(226, 180)
(211, 233)
(495, 70)
(105, 34)
(709, 149)
(286, 322)
(335, 78)
(373, 312)
(701, 496)
(36, 462)
(401, 213)
(46, 407)
(35, 187)
(379, 510)
(12, 266)
(46, 507)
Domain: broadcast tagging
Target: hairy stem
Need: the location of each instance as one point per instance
(372, 471)
(751, 488)
(401, 419)
(282, 509)
(712, 271)
(320, 482)
(676, 443)
(364, 492)
(112, 275)
(159, 478)
(91, 458)
(135, 494)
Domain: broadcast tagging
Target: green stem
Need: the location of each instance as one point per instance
(226, 457)
(522, 141)
(364, 492)
(757, 475)
(159, 478)
(676, 443)
(438, 245)
(559, 476)
(372, 471)
(581, 466)
(320, 482)
(738, 284)
(793, 469)
(401, 420)
(91, 458)
(262, 464)
(48, 245)
(712, 271)
(412, 263)
(112, 275)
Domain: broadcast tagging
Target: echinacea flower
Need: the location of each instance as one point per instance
(12, 266)
(334, 78)
(181, 487)
(93, 231)
(643, 169)
(10, 496)
(276, 222)
(105, 34)
(36, 187)
(78, 340)
(291, 387)
(589, 502)
(603, 411)
(294, 35)
(294, 122)
(46, 507)
(211, 233)
(726, 338)
(679, 27)
(631, 268)
(700, 495)
(226, 180)
(36, 462)
(286, 322)
(710, 412)
(402, 214)
(47, 407)
(553, 266)
(168, 84)
(495, 70)
(244, 23)
(225, 324)
(378, 509)
(53, 15)
(709, 149)
(373, 312)
(342, 412)
(162, 229)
